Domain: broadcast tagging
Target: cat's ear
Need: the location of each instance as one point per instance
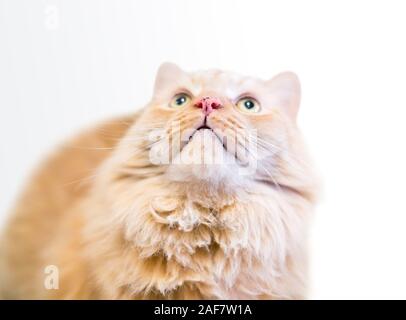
(285, 92)
(168, 74)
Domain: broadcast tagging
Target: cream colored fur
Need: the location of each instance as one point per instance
(120, 227)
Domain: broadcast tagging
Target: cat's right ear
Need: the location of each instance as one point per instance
(169, 74)
(285, 91)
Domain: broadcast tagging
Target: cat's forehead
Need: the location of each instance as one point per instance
(225, 82)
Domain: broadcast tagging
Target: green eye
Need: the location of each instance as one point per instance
(180, 100)
(248, 105)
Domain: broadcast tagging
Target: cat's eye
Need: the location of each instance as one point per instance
(248, 104)
(180, 100)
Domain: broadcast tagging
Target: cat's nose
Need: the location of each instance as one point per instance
(208, 104)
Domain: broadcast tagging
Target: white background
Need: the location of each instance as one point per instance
(66, 64)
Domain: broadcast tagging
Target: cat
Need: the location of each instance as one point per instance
(205, 193)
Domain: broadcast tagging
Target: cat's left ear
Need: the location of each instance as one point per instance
(168, 75)
(284, 89)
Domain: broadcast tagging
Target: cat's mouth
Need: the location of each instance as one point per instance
(203, 127)
(207, 143)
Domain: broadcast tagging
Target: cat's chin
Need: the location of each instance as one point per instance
(204, 159)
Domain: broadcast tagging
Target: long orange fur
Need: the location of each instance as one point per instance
(119, 227)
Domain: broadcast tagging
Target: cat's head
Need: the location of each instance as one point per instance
(218, 127)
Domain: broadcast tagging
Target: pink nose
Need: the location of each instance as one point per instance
(208, 104)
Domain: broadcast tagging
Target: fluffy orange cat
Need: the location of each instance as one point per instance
(203, 194)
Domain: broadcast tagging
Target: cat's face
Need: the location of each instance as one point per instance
(218, 126)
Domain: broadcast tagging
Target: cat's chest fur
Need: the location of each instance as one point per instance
(188, 246)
